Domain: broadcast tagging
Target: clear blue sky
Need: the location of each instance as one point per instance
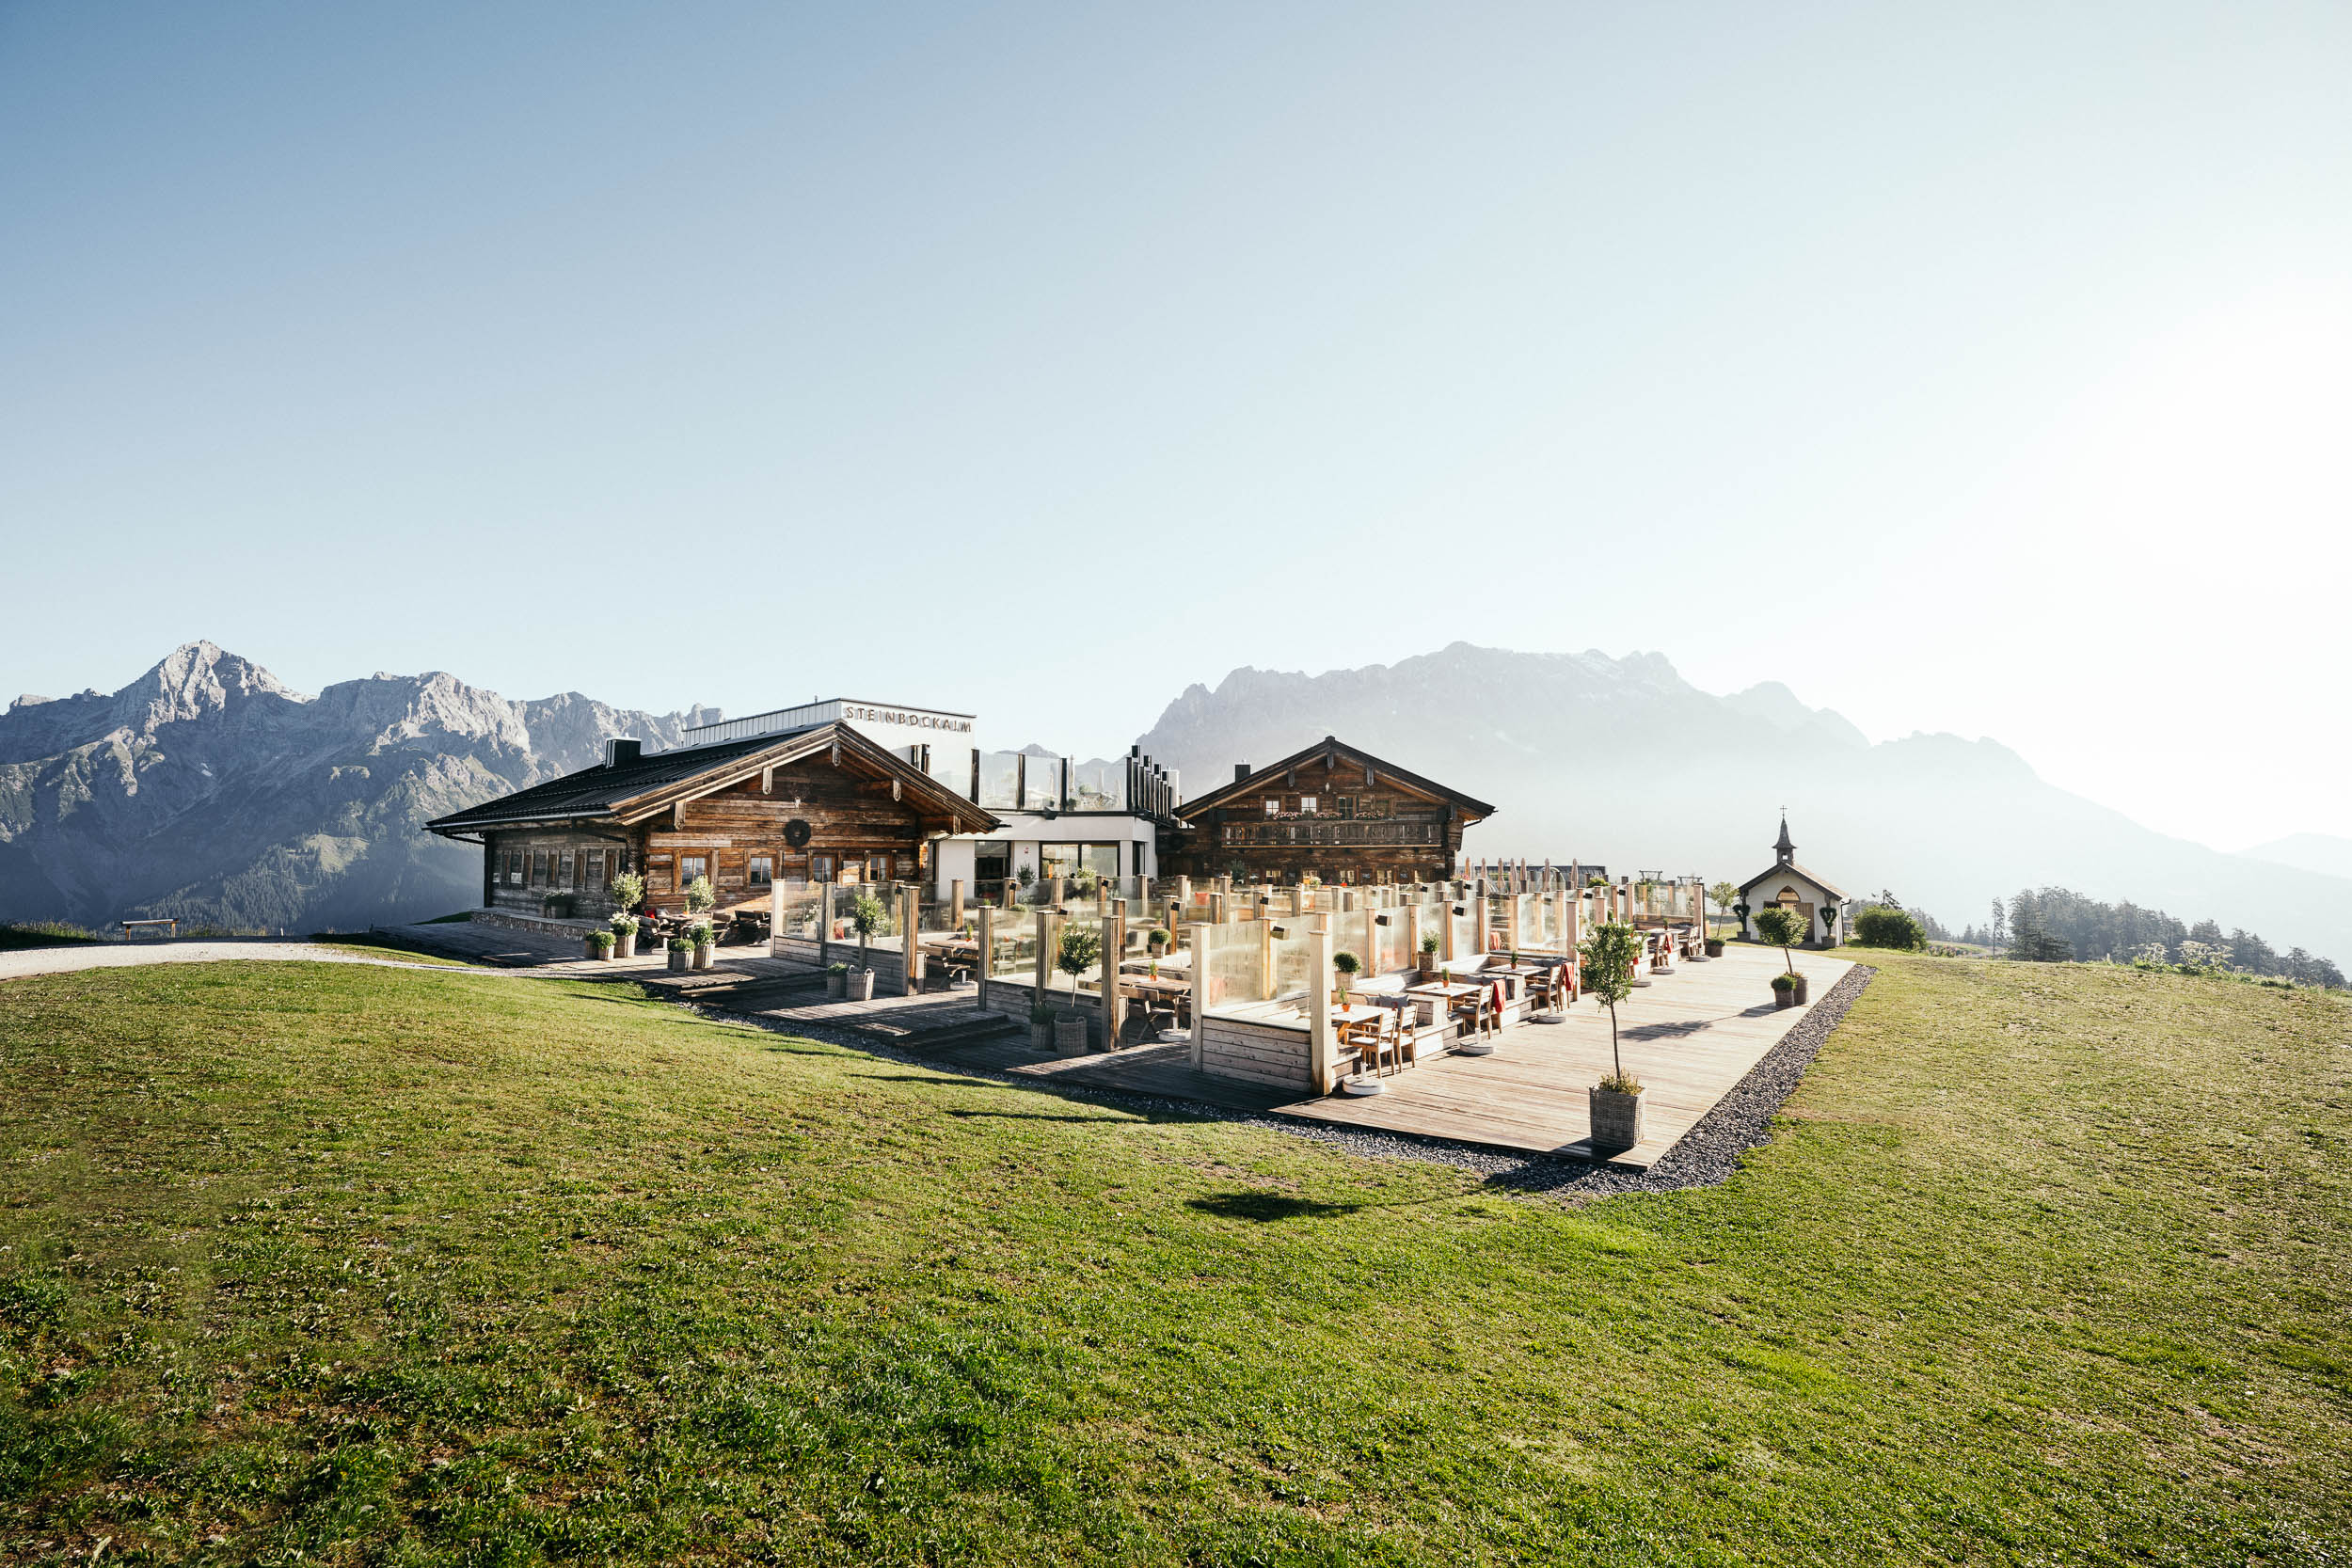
(1042, 361)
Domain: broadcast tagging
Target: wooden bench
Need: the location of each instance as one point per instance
(131, 928)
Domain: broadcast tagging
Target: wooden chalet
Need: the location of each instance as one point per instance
(1333, 810)
(823, 803)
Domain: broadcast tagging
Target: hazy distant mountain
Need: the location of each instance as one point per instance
(2321, 852)
(1622, 761)
(209, 789)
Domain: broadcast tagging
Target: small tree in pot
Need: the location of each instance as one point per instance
(1156, 940)
(867, 916)
(1428, 958)
(1042, 1017)
(699, 898)
(1606, 960)
(1784, 929)
(601, 945)
(1343, 967)
(681, 955)
(1784, 990)
(704, 941)
(837, 980)
(1725, 895)
(626, 891)
(1075, 952)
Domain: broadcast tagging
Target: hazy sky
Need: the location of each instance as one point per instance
(1965, 366)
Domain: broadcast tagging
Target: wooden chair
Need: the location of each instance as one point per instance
(1370, 1042)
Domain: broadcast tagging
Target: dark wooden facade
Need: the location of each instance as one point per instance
(1332, 810)
(733, 813)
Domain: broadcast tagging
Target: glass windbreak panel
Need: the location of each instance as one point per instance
(1012, 948)
(799, 911)
(1099, 786)
(1293, 967)
(1229, 970)
(951, 765)
(1351, 932)
(1103, 860)
(880, 915)
(1000, 780)
(1042, 790)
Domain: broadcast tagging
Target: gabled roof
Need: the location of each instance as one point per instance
(635, 791)
(1783, 868)
(1470, 808)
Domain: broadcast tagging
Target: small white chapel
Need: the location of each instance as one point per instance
(1819, 902)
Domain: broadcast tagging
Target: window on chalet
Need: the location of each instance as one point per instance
(1307, 805)
(1273, 805)
(761, 871)
(690, 867)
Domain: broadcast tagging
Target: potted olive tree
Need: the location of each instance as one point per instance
(600, 944)
(868, 916)
(1725, 895)
(1343, 967)
(1784, 929)
(1607, 960)
(836, 981)
(699, 897)
(1429, 958)
(681, 955)
(627, 891)
(1074, 953)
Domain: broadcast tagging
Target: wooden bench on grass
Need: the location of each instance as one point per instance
(133, 927)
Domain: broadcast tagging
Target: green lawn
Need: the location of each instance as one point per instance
(362, 947)
(2046, 1264)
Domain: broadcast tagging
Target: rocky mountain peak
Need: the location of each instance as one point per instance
(193, 681)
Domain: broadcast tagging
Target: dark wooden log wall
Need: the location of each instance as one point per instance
(1358, 832)
(553, 862)
(851, 820)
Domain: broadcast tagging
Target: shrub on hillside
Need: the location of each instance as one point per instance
(1883, 926)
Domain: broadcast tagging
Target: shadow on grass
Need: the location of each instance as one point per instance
(1047, 1116)
(1267, 1208)
(940, 1078)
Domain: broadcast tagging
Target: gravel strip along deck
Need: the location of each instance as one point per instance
(1708, 1154)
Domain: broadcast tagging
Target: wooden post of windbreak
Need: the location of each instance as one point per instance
(1484, 919)
(775, 917)
(1320, 1050)
(911, 917)
(988, 955)
(1216, 909)
(1114, 947)
(1266, 958)
(1200, 940)
(1044, 960)
(955, 903)
(824, 925)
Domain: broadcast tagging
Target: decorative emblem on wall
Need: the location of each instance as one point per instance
(796, 833)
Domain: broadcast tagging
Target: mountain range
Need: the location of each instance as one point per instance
(209, 789)
(1623, 762)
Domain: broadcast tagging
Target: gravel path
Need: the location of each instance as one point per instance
(1710, 1153)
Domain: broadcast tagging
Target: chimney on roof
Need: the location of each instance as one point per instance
(622, 749)
(1241, 771)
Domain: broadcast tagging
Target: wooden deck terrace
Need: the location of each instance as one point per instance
(1690, 1036)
